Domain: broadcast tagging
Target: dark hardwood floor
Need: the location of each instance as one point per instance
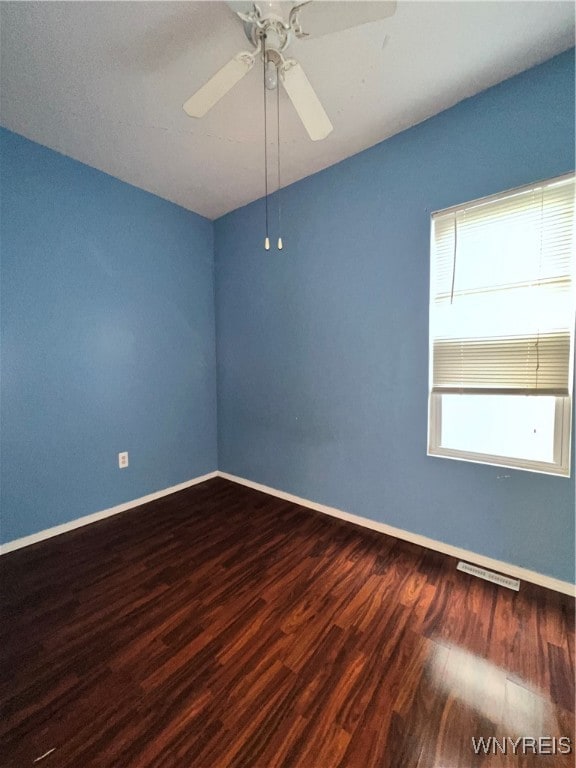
(223, 627)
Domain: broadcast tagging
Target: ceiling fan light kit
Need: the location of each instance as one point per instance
(270, 36)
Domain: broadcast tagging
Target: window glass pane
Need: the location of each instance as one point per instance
(514, 426)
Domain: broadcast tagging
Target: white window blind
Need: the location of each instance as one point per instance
(502, 293)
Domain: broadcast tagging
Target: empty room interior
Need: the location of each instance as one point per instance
(288, 301)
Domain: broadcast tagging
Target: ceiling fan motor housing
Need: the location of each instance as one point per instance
(278, 34)
(271, 35)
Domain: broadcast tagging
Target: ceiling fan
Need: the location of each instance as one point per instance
(270, 36)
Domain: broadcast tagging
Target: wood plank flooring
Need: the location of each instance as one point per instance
(223, 627)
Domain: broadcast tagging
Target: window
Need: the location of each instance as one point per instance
(502, 308)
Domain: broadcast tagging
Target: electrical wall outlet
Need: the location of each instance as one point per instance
(123, 460)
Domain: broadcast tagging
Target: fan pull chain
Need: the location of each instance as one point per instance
(267, 239)
(280, 244)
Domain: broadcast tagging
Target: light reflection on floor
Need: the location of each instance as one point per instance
(514, 706)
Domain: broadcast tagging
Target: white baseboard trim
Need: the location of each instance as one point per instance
(26, 541)
(447, 549)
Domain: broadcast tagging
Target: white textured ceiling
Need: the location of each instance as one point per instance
(103, 82)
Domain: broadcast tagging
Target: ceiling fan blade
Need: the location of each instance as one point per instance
(305, 101)
(219, 85)
(323, 18)
(240, 6)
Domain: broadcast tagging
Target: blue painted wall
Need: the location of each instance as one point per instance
(107, 340)
(323, 347)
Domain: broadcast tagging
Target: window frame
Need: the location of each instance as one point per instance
(560, 466)
(562, 445)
